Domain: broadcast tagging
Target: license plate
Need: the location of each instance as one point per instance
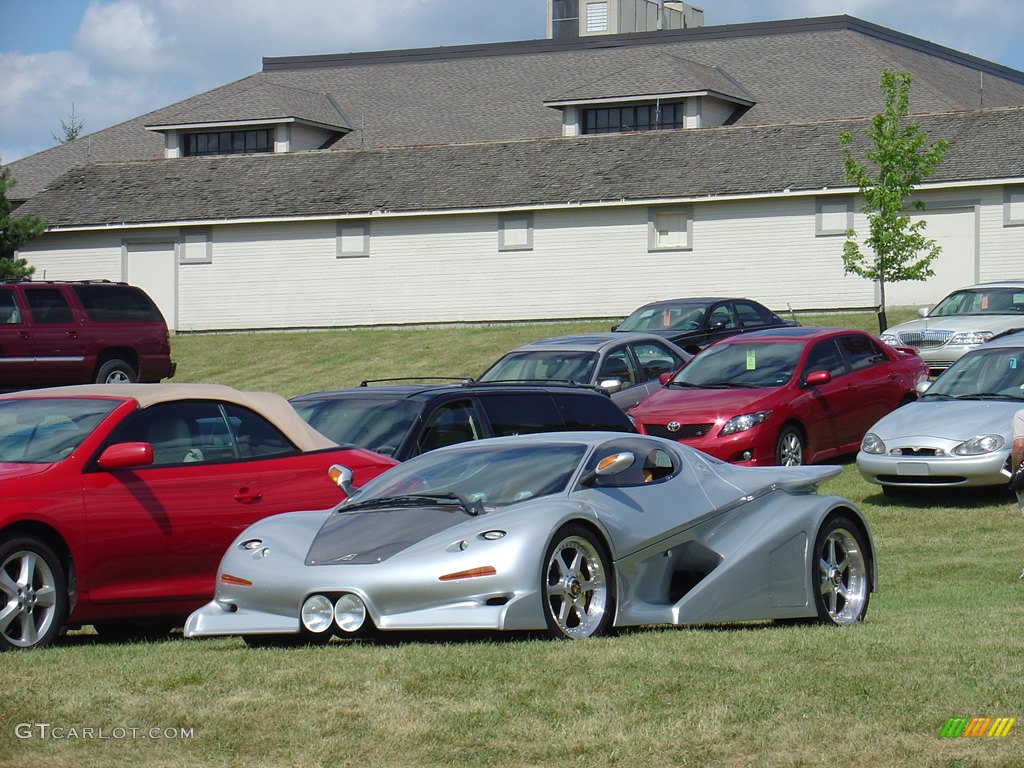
(912, 468)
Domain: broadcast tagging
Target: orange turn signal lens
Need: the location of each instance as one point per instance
(472, 573)
(227, 578)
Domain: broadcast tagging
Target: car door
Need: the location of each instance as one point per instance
(17, 364)
(652, 360)
(55, 332)
(448, 423)
(157, 532)
(618, 364)
(721, 323)
(823, 408)
(874, 382)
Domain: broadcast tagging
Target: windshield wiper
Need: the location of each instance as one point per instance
(418, 500)
(986, 396)
(681, 384)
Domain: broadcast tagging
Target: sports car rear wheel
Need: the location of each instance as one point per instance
(577, 584)
(842, 573)
(33, 595)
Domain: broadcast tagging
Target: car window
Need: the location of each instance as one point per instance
(861, 352)
(655, 359)
(201, 431)
(48, 305)
(523, 414)
(722, 314)
(652, 464)
(9, 312)
(665, 317)
(255, 435)
(996, 371)
(753, 315)
(543, 366)
(618, 365)
(742, 364)
(825, 356)
(585, 411)
(374, 423)
(988, 301)
(110, 303)
(450, 423)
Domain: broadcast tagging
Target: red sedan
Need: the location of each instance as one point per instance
(117, 502)
(785, 396)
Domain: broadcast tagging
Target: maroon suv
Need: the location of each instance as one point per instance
(78, 333)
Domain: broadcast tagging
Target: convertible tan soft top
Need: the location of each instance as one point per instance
(273, 407)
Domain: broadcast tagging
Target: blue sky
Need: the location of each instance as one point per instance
(116, 59)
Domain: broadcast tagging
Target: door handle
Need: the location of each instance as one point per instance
(23, 334)
(246, 496)
(73, 334)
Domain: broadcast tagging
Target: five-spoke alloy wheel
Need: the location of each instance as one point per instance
(33, 596)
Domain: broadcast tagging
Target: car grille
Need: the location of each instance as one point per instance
(913, 452)
(685, 431)
(924, 339)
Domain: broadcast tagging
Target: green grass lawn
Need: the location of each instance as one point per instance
(942, 639)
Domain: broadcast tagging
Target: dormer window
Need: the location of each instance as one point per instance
(228, 142)
(642, 117)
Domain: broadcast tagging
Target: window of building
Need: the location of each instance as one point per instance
(640, 117)
(196, 246)
(229, 142)
(597, 16)
(833, 216)
(515, 232)
(565, 19)
(1013, 207)
(353, 239)
(669, 229)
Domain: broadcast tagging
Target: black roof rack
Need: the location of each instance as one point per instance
(459, 379)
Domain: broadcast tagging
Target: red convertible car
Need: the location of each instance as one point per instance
(784, 396)
(118, 501)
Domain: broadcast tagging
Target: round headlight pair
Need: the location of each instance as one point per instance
(348, 613)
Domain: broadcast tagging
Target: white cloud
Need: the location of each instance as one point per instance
(123, 36)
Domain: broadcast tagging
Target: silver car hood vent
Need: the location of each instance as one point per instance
(367, 537)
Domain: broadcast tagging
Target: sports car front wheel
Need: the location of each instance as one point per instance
(33, 596)
(842, 573)
(577, 584)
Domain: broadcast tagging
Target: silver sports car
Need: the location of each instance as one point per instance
(568, 533)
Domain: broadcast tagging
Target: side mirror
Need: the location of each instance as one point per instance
(342, 477)
(665, 378)
(611, 386)
(609, 465)
(126, 456)
(615, 327)
(718, 325)
(922, 386)
(922, 312)
(817, 378)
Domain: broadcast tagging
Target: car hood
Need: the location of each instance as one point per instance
(675, 404)
(951, 420)
(14, 471)
(961, 323)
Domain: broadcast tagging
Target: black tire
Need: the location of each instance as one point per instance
(34, 585)
(116, 372)
(790, 448)
(140, 630)
(577, 585)
(841, 572)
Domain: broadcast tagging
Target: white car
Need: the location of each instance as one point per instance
(958, 433)
(961, 322)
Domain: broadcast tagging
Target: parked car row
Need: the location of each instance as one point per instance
(120, 500)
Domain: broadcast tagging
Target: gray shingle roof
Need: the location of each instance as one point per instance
(262, 101)
(658, 75)
(640, 166)
(797, 71)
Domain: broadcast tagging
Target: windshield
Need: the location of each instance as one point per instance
(47, 429)
(374, 423)
(665, 317)
(741, 365)
(992, 374)
(986, 301)
(543, 366)
(490, 476)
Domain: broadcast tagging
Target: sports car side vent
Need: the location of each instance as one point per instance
(497, 600)
(689, 564)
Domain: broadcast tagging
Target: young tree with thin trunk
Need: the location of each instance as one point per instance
(901, 159)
